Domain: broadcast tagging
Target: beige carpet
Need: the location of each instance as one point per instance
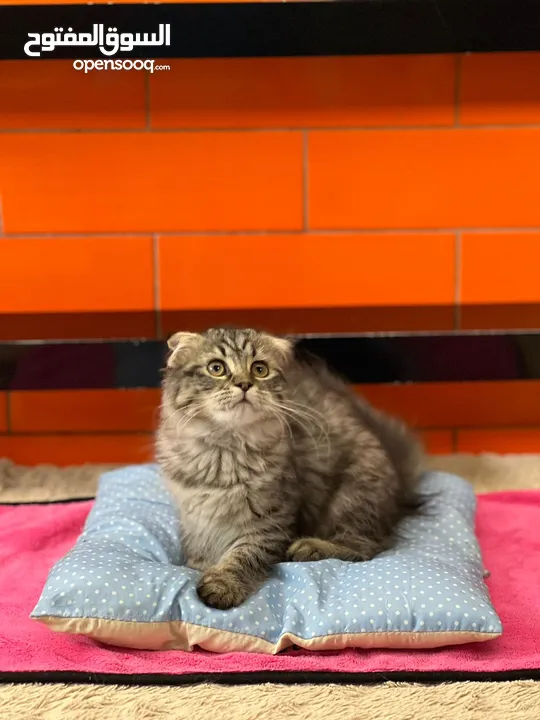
(487, 473)
(518, 700)
(458, 701)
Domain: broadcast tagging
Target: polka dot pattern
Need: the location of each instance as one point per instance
(127, 565)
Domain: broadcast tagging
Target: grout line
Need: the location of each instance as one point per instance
(493, 428)
(381, 231)
(305, 179)
(156, 279)
(51, 433)
(147, 111)
(457, 92)
(78, 433)
(156, 130)
(76, 235)
(430, 428)
(285, 129)
(150, 233)
(291, 231)
(457, 279)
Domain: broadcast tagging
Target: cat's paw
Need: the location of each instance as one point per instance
(308, 550)
(220, 589)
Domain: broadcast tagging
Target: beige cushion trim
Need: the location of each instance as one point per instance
(180, 635)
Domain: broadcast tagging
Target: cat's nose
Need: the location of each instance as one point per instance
(244, 386)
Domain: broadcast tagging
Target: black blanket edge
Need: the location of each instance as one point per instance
(63, 501)
(277, 677)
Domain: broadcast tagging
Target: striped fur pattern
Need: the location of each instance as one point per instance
(272, 458)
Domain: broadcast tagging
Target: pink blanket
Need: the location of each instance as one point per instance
(33, 538)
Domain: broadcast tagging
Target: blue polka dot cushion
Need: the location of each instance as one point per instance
(124, 583)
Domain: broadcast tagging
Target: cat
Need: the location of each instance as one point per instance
(271, 457)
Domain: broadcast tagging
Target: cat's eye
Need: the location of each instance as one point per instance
(216, 368)
(260, 369)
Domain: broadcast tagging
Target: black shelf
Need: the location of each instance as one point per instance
(457, 357)
(350, 27)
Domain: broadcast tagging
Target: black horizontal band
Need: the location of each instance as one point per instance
(61, 501)
(262, 29)
(278, 677)
(363, 359)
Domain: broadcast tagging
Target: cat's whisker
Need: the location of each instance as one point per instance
(312, 420)
(299, 421)
(306, 408)
(300, 415)
(171, 416)
(283, 422)
(192, 413)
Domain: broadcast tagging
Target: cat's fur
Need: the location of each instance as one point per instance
(295, 467)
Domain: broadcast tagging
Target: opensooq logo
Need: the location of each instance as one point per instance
(109, 43)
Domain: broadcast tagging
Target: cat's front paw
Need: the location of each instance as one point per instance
(221, 589)
(308, 550)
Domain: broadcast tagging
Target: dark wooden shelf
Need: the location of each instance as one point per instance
(455, 357)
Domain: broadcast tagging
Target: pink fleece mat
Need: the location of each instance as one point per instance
(34, 537)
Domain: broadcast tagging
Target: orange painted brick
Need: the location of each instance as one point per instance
(424, 179)
(3, 412)
(500, 268)
(437, 442)
(304, 320)
(500, 88)
(306, 271)
(460, 405)
(499, 317)
(76, 274)
(76, 449)
(504, 441)
(50, 94)
(149, 182)
(305, 92)
(78, 326)
(81, 411)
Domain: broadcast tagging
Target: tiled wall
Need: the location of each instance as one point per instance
(305, 182)
(67, 427)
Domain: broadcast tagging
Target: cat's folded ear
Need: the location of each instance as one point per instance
(180, 344)
(283, 346)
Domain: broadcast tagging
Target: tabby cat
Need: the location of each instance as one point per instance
(271, 458)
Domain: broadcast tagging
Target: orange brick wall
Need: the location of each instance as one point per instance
(70, 427)
(315, 182)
